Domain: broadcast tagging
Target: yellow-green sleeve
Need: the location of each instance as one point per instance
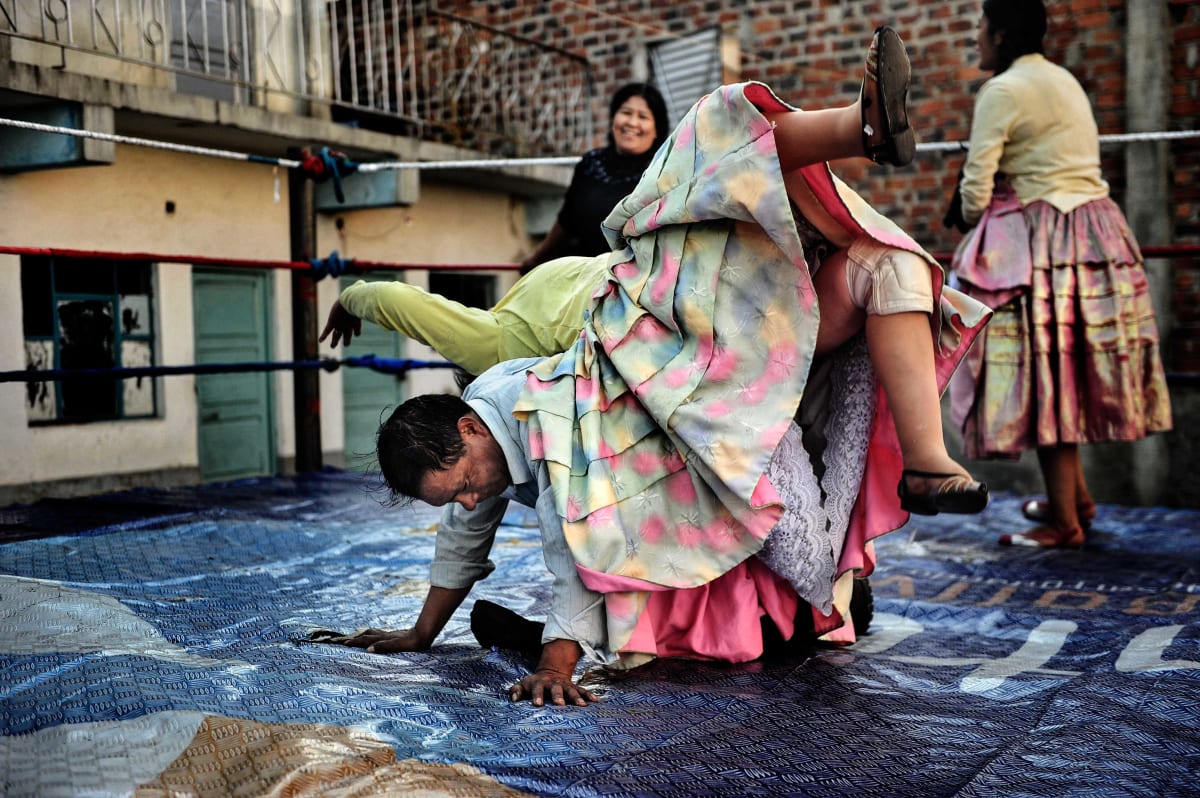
(468, 337)
(543, 313)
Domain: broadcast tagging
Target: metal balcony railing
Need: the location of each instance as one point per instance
(399, 66)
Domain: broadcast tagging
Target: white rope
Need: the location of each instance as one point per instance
(483, 163)
(941, 146)
(488, 163)
(1167, 135)
(157, 145)
(1107, 138)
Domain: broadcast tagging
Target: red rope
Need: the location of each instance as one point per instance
(1168, 251)
(201, 260)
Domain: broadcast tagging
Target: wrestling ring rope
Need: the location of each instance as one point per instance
(320, 163)
(324, 165)
(383, 365)
(146, 639)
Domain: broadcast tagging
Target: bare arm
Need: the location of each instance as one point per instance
(553, 678)
(440, 604)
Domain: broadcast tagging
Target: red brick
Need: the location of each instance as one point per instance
(811, 52)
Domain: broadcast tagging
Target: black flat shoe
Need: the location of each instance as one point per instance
(862, 606)
(956, 494)
(889, 70)
(498, 626)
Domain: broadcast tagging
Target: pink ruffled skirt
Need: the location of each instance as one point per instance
(1072, 356)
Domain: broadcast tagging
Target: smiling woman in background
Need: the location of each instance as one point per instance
(638, 124)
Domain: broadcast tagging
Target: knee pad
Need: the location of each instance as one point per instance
(883, 280)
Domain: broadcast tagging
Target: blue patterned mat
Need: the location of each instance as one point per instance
(146, 640)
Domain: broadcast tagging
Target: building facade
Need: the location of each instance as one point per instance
(114, 253)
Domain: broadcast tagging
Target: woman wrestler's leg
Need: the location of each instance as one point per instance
(875, 126)
(890, 292)
(1066, 490)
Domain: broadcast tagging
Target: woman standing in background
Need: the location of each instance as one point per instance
(637, 126)
(1072, 353)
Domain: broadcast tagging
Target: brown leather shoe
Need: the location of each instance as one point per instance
(887, 137)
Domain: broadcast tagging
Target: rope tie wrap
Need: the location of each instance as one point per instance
(400, 367)
(328, 164)
(331, 266)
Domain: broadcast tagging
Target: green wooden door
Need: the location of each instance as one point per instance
(235, 413)
(368, 396)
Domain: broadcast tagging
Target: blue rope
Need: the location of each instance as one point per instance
(402, 366)
(328, 164)
(332, 266)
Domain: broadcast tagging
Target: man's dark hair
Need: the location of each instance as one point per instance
(658, 109)
(1023, 23)
(462, 379)
(420, 436)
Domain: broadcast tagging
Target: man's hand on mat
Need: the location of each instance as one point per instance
(376, 641)
(552, 679)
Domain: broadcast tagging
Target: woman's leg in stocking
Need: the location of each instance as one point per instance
(1053, 472)
(1062, 471)
(807, 137)
(902, 353)
(874, 126)
(872, 282)
(1085, 505)
(841, 317)
(900, 343)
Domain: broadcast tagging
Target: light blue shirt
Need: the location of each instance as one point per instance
(465, 537)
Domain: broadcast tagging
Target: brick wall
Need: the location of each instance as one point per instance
(1184, 99)
(811, 53)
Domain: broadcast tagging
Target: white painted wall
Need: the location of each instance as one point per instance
(223, 209)
(36, 454)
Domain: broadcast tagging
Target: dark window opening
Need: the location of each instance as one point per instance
(85, 341)
(84, 314)
(473, 290)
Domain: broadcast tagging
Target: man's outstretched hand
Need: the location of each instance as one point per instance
(552, 682)
(375, 641)
(440, 604)
(342, 325)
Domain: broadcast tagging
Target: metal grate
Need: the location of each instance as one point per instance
(686, 69)
(398, 66)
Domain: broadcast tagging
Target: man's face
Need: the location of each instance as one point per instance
(481, 473)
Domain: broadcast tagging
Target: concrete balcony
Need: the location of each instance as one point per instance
(377, 79)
